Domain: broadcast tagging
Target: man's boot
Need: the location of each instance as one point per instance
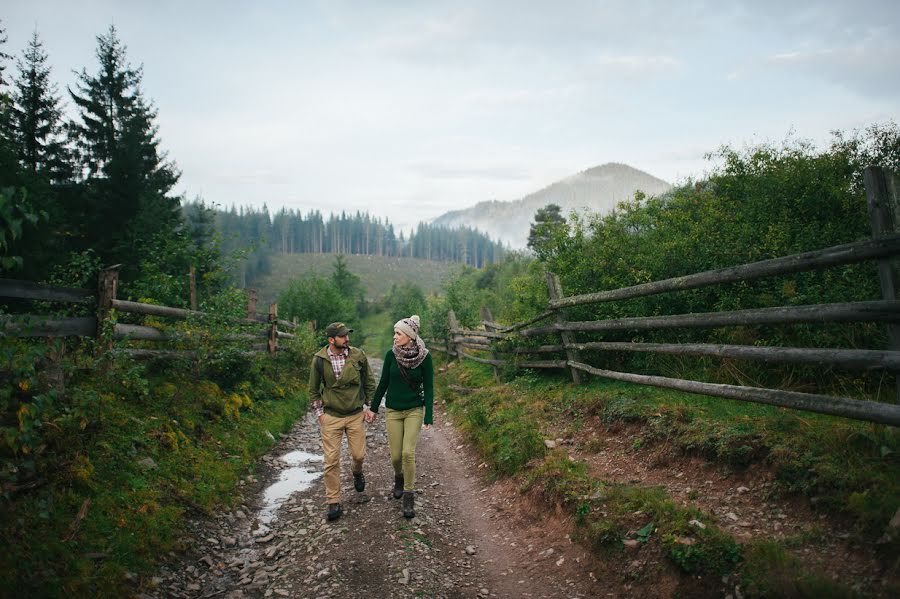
(334, 511)
(398, 486)
(359, 481)
(409, 502)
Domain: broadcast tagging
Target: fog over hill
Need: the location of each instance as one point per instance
(597, 189)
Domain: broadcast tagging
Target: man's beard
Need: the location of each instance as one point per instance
(340, 344)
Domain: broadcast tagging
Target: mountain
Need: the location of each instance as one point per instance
(597, 189)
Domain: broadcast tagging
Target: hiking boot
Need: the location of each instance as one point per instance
(334, 511)
(409, 501)
(359, 482)
(398, 486)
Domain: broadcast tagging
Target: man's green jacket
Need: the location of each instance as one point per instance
(344, 396)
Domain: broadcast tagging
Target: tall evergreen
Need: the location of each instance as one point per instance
(36, 117)
(128, 178)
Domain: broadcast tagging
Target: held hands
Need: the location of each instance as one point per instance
(368, 415)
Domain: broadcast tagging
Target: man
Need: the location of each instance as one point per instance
(341, 387)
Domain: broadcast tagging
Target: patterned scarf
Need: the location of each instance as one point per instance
(410, 357)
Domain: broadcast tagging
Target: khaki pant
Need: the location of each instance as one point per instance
(403, 428)
(332, 429)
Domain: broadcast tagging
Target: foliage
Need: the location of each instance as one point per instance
(316, 299)
(404, 300)
(762, 202)
(133, 444)
(15, 214)
(548, 224)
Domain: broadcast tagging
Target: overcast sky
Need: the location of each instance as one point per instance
(408, 109)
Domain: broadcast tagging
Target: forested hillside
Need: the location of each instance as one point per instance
(262, 235)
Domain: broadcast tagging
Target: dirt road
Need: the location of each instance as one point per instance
(469, 537)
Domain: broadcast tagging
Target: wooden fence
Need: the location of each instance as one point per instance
(104, 301)
(884, 210)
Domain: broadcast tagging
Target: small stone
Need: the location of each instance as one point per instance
(732, 516)
(743, 490)
(147, 464)
(470, 550)
(685, 541)
(631, 544)
(698, 524)
(549, 443)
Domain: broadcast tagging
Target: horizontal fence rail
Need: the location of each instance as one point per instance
(23, 325)
(872, 411)
(834, 256)
(887, 311)
(42, 326)
(846, 358)
(39, 291)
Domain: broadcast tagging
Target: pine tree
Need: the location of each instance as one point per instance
(127, 176)
(36, 117)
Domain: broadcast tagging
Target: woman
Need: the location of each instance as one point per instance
(408, 379)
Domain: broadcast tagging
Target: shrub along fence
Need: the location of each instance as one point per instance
(882, 188)
(105, 301)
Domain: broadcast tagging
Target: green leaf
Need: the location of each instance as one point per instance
(644, 533)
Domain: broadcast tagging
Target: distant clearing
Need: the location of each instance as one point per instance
(377, 273)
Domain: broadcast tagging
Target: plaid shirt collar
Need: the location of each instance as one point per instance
(338, 360)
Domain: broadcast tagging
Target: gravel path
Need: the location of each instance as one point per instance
(468, 539)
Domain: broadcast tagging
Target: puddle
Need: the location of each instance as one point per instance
(291, 480)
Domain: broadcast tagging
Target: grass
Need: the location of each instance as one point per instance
(379, 334)
(850, 468)
(377, 273)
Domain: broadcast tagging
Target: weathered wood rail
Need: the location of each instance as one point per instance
(884, 210)
(104, 300)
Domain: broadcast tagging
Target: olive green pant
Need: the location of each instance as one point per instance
(403, 428)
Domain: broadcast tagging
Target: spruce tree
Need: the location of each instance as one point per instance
(36, 122)
(127, 176)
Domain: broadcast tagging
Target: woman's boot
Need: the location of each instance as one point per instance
(409, 501)
(398, 486)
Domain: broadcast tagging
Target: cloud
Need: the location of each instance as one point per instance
(870, 67)
(455, 170)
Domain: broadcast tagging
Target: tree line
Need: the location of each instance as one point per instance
(292, 232)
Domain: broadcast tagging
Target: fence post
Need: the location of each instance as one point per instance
(883, 203)
(488, 317)
(193, 275)
(252, 294)
(107, 283)
(273, 329)
(451, 345)
(556, 292)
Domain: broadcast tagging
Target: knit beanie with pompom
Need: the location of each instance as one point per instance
(409, 326)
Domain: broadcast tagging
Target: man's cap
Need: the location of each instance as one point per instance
(337, 329)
